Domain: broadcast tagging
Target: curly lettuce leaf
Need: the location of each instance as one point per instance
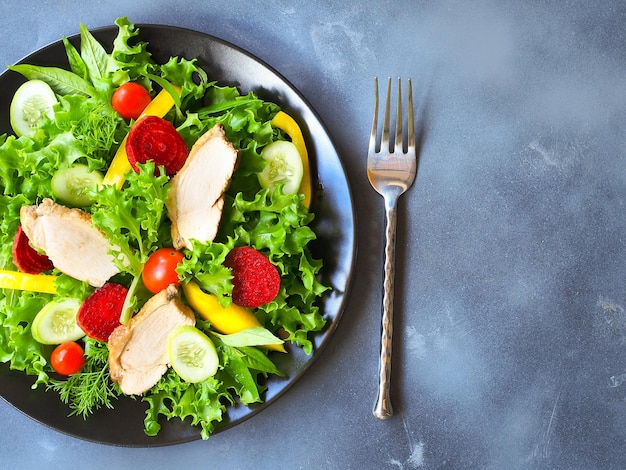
(171, 397)
(130, 62)
(192, 79)
(27, 166)
(131, 217)
(246, 118)
(17, 308)
(67, 286)
(17, 346)
(204, 263)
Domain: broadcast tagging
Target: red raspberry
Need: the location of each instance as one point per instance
(255, 279)
(100, 313)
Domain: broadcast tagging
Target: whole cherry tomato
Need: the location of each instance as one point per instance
(130, 99)
(160, 269)
(68, 358)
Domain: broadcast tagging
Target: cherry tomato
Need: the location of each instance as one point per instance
(130, 99)
(68, 358)
(160, 269)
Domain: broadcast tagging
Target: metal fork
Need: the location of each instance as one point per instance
(391, 171)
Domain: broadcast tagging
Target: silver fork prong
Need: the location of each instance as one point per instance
(384, 141)
(398, 138)
(410, 122)
(372, 145)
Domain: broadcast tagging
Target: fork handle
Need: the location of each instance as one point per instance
(382, 407)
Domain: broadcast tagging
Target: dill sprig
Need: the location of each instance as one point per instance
(96, 132)
(89, 389)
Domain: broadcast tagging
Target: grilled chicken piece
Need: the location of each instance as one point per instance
(196, 196)
(138, 350)
(69, 239)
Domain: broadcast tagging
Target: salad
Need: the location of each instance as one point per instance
(154, 235)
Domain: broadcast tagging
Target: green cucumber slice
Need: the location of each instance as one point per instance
(31, 103)
(283, 165)
(192, 354)
(56, 322)
(69, 185)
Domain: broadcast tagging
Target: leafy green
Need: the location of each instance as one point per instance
(246, 118)
(67, 286)
(187, 73)
(130, 62)
(130, 218)
(75, 61)
(171, 397)
(60, 80)
(93, 55)
(256, 336)
(17, 346)
(205, 263)
(242, 365)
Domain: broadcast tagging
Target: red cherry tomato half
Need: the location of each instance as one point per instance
(130, 99)
(160, 269)
(68, 358)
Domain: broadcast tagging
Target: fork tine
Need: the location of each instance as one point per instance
(398, 138)
(410, 122)
(372, 145)
(398, 143)
(384, 142)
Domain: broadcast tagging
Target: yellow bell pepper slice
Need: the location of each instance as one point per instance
(226, 320)
(287, 124)
(120, 166)
(17, 280)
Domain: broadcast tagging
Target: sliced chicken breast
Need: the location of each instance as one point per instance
(196, 198)
(69, 239)
(138, 350)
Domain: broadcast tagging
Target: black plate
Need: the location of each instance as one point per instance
(334, 224)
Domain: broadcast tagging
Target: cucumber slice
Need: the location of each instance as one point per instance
(56, 322)
(69, 185)
(32, 102)
(283, 165)
(192, 354)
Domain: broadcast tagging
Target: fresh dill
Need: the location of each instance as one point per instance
(96, 132)
(89, 389)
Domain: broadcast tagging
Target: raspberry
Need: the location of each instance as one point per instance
(255, 279)
(100, 313)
